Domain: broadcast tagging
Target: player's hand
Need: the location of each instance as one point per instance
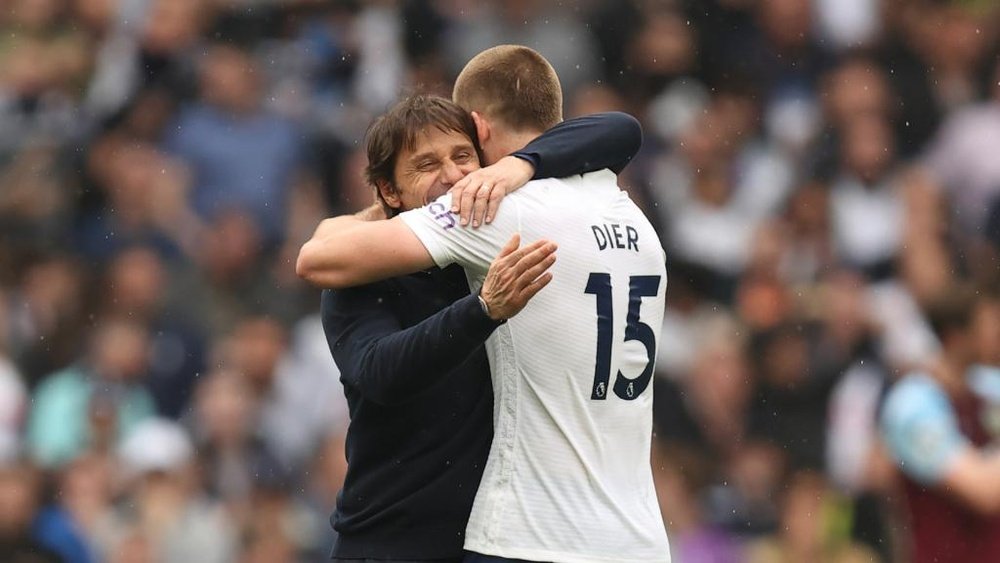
(477, 196)
(516, 275)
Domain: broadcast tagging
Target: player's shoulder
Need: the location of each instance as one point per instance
(920, 428)
(576, 189)
(914, 396)
(604, 177)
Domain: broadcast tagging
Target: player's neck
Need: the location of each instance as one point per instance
(508, 142)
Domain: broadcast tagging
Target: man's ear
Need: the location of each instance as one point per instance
(389, 194)
(482, 127)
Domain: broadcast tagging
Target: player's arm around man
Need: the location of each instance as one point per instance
(351, 250)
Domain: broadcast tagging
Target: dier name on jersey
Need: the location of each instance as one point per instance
(610, 236)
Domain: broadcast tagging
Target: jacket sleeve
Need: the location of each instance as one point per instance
(389, 364)
(584, 144)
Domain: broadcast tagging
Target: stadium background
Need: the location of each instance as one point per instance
(817, 169)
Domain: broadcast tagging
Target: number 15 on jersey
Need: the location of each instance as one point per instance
(599, 284)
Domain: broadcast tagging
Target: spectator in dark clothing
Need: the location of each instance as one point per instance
(138, 280)
(30, 531)
(241, 155)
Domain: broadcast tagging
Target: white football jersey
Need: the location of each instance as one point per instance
(568, 476)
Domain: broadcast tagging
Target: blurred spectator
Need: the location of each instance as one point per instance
(663, 50)
(856, 88)
(145, 202)
(783, 60)
(849, 24)
(795, 246)
(790, 406)
(223, 424)
(704, 408)
(557, 34)
(743, 497)
(46, 311)
(279, 521)
(86, 488)
(717, 188)
(854, 460)
(97, 401)
(857, 464)
(936, 431)
(30, 531)
(808, 529)
(867, 213)
(937, 51)
(34, 204)
(294, 407)
(680, 483)
(326, 476)
(685, 315)
(317, 379)
(381, 69)
(19, 493)
(169, 37)
(959, 157)
(229, 283)
(241, 156)
(136, 287)
(926, 264)
(166, 510)
(43, 62)
(953, 40)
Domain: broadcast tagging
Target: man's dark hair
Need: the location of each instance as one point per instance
(397, 130)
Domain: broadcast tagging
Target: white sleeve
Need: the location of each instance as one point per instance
(449, 243)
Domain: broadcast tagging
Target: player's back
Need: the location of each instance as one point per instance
(568, 478)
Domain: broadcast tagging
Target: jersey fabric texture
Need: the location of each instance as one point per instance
(568, 476)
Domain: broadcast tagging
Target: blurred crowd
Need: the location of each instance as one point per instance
(818, 171)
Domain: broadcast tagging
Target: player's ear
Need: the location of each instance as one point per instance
(482, 127)
(389, 195)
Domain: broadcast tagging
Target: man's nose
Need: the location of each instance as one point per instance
(451, 172)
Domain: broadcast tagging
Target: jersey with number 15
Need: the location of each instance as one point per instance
(568, 476)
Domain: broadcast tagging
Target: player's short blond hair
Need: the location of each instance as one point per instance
(511, 84)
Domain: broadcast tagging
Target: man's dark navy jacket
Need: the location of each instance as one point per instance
(411, 357)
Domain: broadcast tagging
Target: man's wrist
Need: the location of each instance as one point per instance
(531, 158)
(486, 309)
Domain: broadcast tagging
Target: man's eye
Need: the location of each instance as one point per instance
(425, 166)
(463, 157)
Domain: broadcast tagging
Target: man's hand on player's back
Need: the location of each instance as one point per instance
(516, 275)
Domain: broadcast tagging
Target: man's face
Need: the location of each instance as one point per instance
(438, 160)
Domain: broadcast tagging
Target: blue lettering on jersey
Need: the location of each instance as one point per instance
(442, 215)
(615, 236)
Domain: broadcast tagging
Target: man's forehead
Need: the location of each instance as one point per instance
(431, 139)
